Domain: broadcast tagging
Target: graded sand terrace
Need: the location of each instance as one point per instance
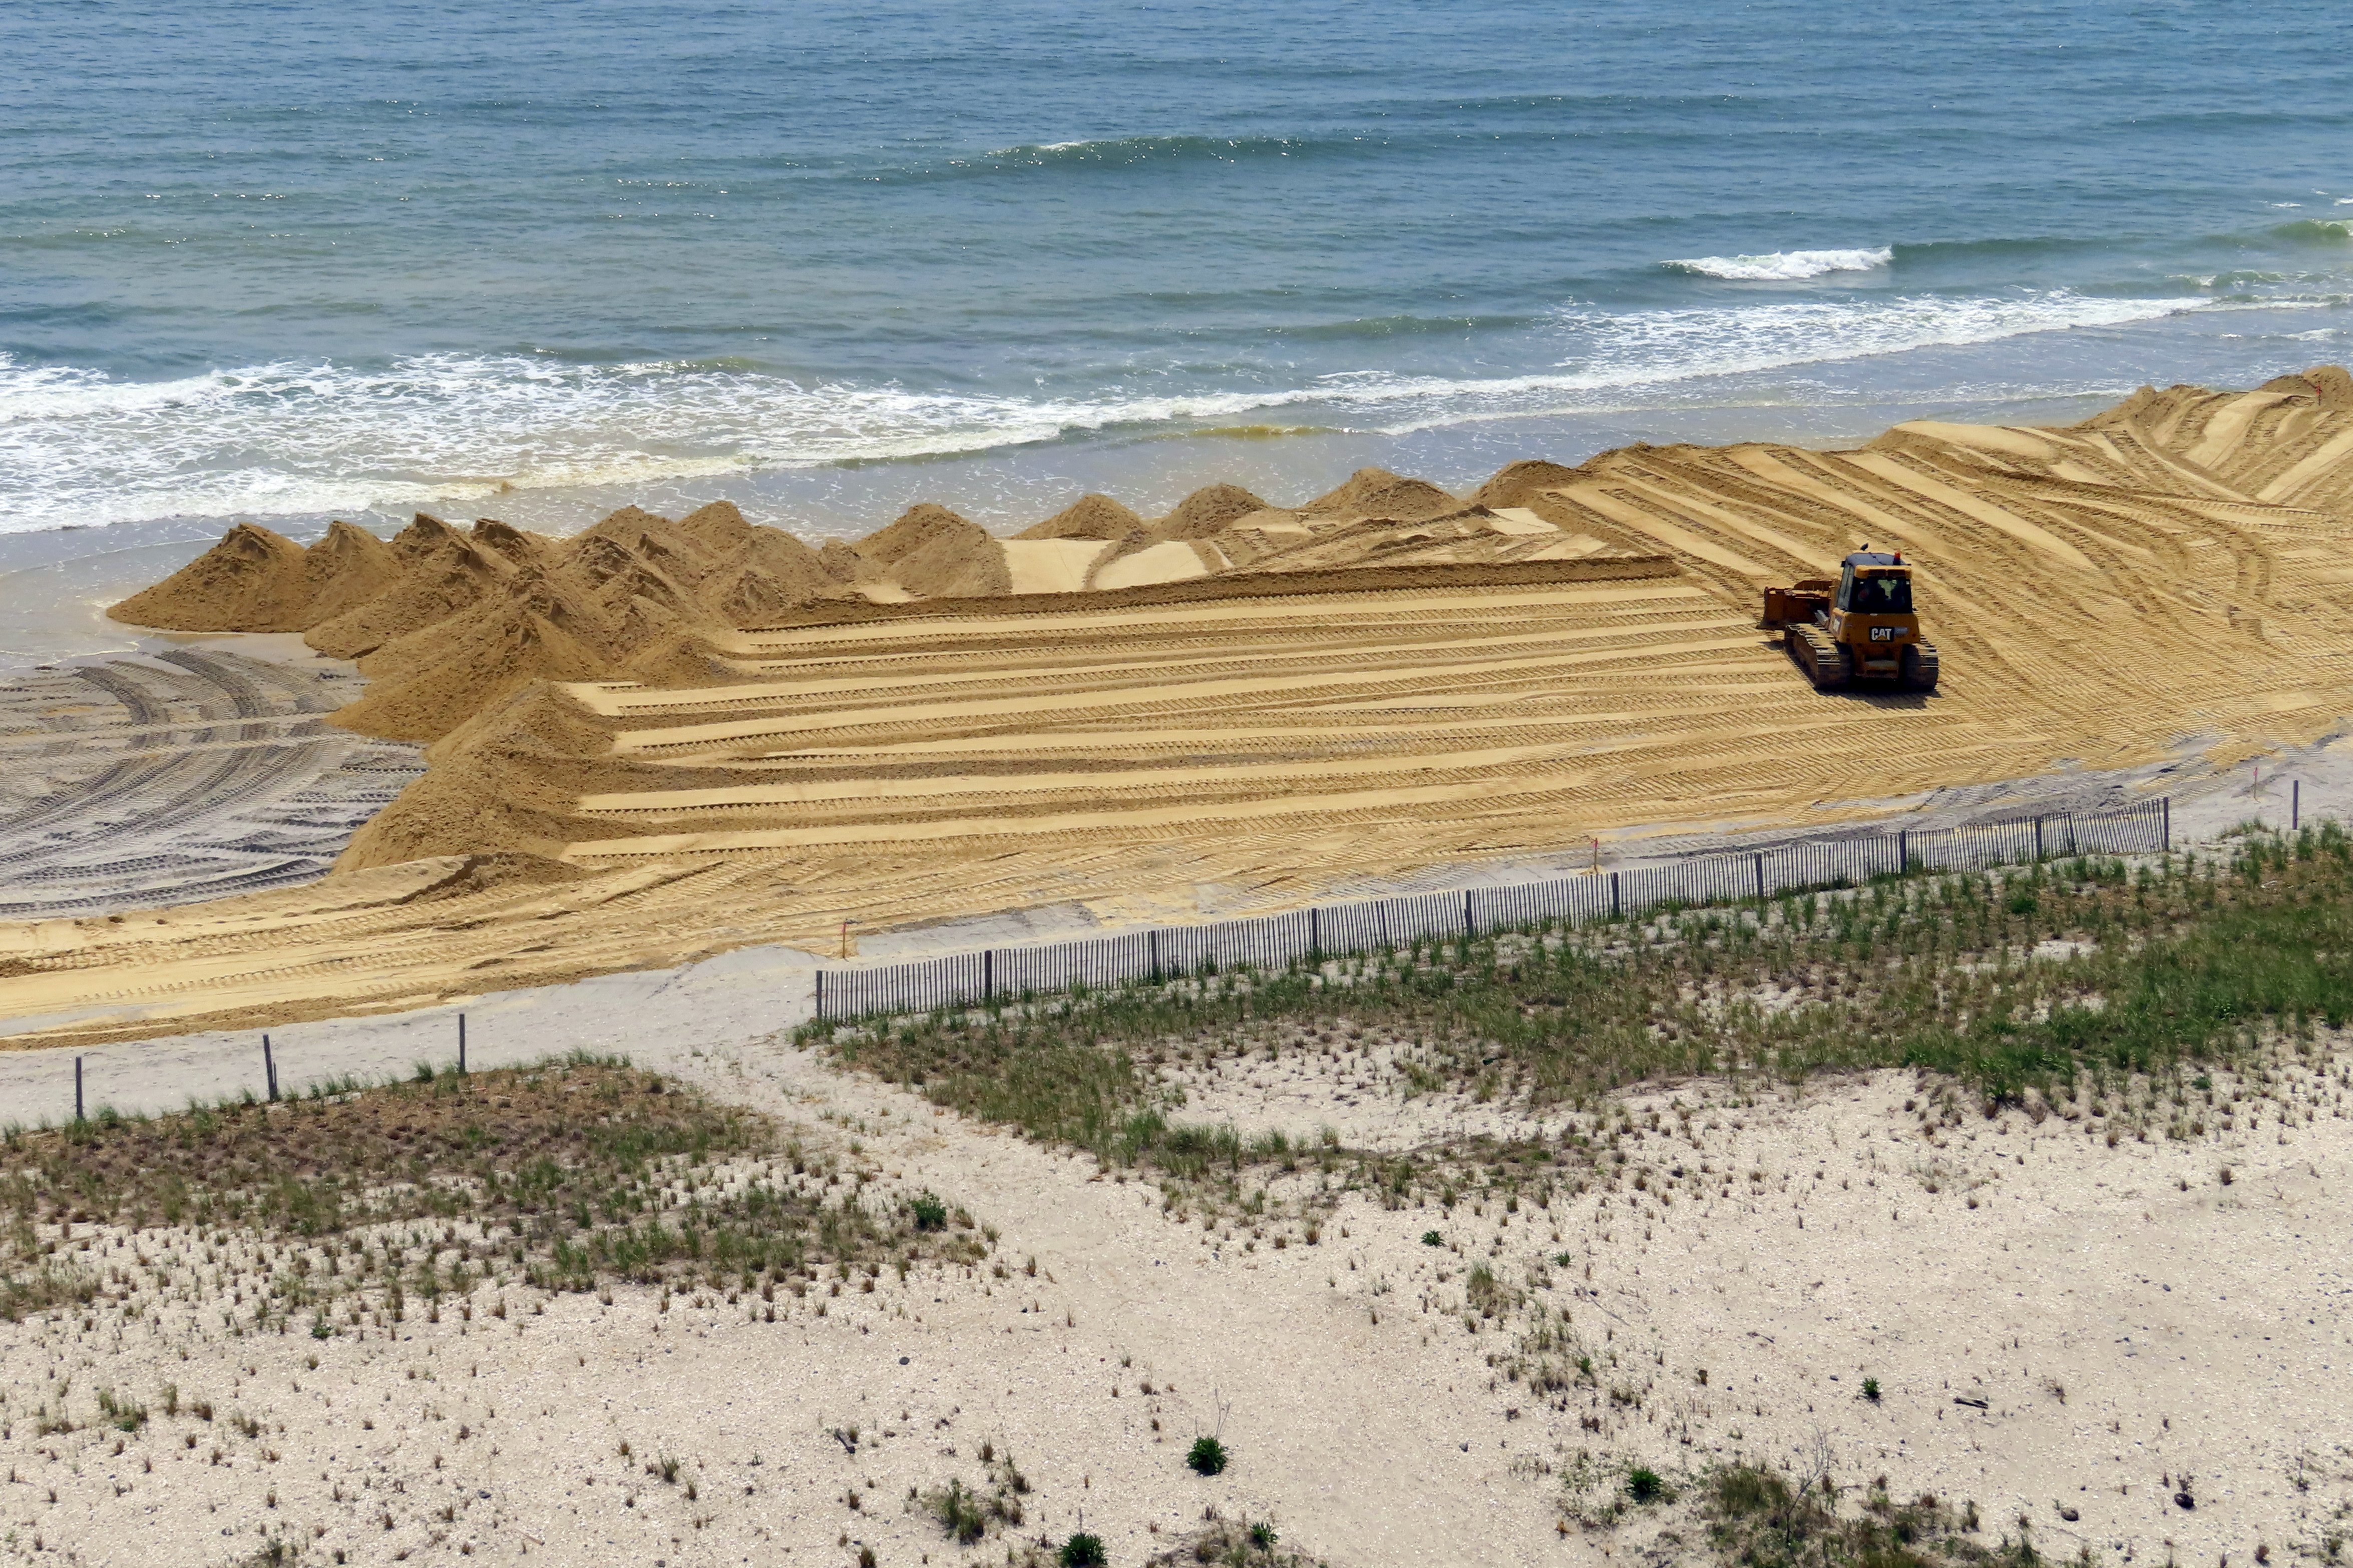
(657, 740)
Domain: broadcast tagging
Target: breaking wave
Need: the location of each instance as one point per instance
(80, 447)
(1783, 265)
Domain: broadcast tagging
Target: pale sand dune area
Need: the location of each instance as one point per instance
(2064, 1333)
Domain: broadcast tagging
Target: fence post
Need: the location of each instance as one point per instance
(1314, 932)
(1155, 934)
(461, 1044)
(270, 1068)
(2038, 838)
(2165, 815)
(1760, 878)
(2295, 805)
(78, 1116)
(1468, 930)
(1902, 854)
(820, 993)
(1616, 910)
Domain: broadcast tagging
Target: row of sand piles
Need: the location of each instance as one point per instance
(444, 623)
(447, 623)
(1376, 518)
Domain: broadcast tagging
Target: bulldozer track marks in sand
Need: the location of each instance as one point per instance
(128, 783)
(2180, 566)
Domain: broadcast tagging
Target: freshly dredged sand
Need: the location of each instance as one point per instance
(658, 739)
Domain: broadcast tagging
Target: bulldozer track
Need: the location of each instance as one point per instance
(196, 776)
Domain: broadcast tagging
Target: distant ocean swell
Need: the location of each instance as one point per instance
(80, 448)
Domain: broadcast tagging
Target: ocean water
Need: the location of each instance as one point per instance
(292, 261)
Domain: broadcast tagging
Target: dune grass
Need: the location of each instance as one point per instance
(1219, 1543)
(1758, 1518)
(564, 1175)
(2086, 974)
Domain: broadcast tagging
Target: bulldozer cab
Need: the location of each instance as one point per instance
(1874, 584)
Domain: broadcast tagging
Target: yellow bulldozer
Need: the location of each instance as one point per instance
(1861, 627)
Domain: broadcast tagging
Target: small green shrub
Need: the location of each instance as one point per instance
(1643, 1485)
(127, 1414)
(930, 1214)
(1208, 1456)
(1084, 1551)
(1870, 1389)
(960, 1514)
(1262, 1536)
(1431, 1239)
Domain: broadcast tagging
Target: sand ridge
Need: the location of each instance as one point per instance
(447, 623)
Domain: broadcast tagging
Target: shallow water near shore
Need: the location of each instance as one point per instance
(359, 264)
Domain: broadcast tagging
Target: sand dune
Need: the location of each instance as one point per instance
(1386, 678)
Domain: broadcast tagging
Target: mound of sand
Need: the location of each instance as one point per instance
(1514, 482)
(628, 525)
(931, 552)
(1088, 517)
(721, 529)
(345, 569)
(917, 527)
(1376, 492)
(796, 568)
(842, 563)
(252, 580)
(501, 779)
(432, 680)
(518, 547)
(1207, 510)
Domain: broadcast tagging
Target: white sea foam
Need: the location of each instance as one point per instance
(1783, 265)
(80, 447)
(1618, 352)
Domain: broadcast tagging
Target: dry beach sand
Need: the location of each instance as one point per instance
(2064, 1333)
